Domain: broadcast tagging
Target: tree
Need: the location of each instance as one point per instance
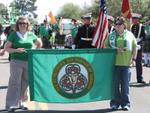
(3, 9)
(70, 10)
(3, 14)
(141, 6)
(114, 7)
(24, 7)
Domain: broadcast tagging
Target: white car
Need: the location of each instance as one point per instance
(66, 26)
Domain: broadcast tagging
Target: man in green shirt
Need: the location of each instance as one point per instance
(44, 34)
(74, 29)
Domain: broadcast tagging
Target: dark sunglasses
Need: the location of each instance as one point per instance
(120, 23)
(21, 23)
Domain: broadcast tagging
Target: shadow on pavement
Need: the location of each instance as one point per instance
(4, 62)
(60, 111)
(3, 87)
(135, 84)
(4, 59)
(3, 111)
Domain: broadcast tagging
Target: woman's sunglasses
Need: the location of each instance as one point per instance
(22, 23)
(119, 23)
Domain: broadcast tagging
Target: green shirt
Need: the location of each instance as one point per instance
(18, 42)
(44, 31)
(56, 27)
(74, 31)
(127, 41)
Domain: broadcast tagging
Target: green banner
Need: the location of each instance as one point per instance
(71, 76)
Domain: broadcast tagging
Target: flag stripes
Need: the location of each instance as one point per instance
(101, 30)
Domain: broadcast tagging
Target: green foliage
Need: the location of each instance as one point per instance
(24, 7)
(114, 7)
(70, 10)
(3, 9)
(33, 21)
(3, 14)
(141, 6)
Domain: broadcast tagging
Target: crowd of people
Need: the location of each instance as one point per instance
(131, 45)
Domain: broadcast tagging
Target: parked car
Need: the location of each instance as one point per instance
(66, 26)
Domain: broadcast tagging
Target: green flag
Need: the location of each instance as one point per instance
(71, 76)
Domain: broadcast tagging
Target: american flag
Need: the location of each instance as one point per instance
(101, 30)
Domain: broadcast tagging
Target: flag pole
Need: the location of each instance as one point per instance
(101, 29)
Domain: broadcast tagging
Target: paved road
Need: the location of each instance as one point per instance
(140, 97)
